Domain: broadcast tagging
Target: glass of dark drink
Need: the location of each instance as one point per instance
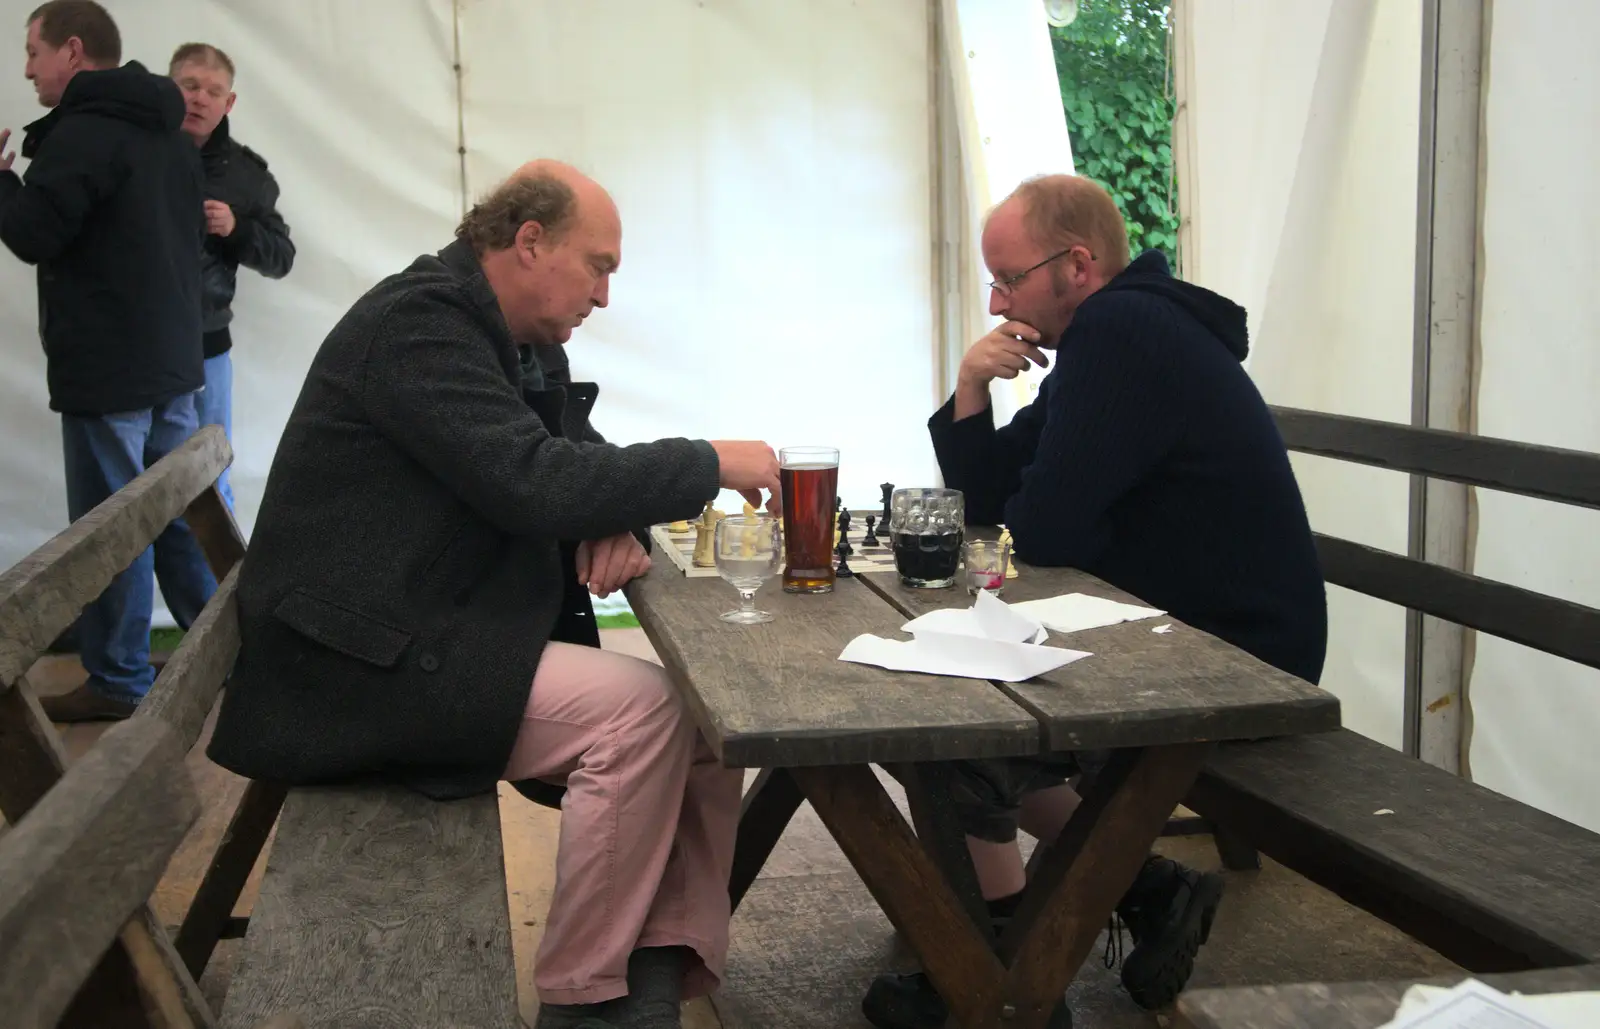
(927, 529)
(808, 477)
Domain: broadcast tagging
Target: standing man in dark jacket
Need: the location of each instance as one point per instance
(110, 212)
(1148, 459)
(243, 226)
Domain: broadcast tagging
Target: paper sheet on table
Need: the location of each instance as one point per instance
(1474, 1005)
(986, 641)
(989, 617)
(1073, 612)
(966, 656)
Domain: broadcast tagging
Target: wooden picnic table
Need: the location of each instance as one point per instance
(776, 697)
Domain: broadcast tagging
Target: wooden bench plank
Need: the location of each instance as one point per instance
(186, 689)
(1560, 627)
(777, 695)
(380, 907)
(1513, 466)
(43, 594)
(1348, 1005)
(1140, 688)
(84, 860)
(1491, 883)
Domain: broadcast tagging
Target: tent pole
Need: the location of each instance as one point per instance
(1444, 353)
(938, 187)
(461, 117)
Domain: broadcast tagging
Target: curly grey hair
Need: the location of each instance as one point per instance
(493, 222)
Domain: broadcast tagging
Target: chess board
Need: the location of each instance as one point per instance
(679, 546)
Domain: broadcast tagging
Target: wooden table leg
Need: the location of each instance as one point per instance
(768, 806)
(912, 891)
(930, 794)
(1086, 872)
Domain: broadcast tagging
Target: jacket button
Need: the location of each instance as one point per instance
(429, 663)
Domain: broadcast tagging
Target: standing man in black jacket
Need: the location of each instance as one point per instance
(110, 212)
(243, 226)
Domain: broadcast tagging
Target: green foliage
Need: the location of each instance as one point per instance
(1112, 62)
(165, 641)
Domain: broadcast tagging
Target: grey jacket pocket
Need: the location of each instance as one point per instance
(342, 628)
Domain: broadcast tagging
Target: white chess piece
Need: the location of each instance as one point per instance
(705, 537)
(1011, 559)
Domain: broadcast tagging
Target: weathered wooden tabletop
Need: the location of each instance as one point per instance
(1348, 1005)
(1141, 688)
(776, 695)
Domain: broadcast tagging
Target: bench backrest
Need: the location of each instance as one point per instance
(88, 843)
(1533, 619)
(1435, 727)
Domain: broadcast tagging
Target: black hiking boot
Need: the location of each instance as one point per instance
(1168, 911)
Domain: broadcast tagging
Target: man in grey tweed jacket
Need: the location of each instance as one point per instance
(415, 601)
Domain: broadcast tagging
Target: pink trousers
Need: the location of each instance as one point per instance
(647, 826)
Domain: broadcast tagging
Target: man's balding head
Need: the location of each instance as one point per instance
(1050, 244)
(548, 238)
(1062, 210)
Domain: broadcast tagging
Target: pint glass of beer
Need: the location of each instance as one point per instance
(809, 480)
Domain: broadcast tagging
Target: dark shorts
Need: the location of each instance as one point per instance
(989, 792)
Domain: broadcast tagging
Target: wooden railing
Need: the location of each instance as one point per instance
(1555, 626)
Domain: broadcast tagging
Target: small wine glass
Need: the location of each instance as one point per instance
(749, 552)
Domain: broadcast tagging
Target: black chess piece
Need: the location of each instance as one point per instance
(843, 550)
(844, 530)
(871, 538)
(888, 489)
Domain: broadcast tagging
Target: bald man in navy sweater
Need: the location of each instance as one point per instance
(1148, 459)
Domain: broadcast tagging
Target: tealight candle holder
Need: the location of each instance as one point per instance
(986, 563)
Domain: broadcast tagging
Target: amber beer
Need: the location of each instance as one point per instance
(809, 480)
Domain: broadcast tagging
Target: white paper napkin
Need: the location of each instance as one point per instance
(1472, 1004)
(986, 641)
(1073, 612)
(988, 617)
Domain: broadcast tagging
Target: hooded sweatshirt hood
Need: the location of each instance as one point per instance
(1224, 319)
(129, 93)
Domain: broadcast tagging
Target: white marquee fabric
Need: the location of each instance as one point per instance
(771, 163)
(1297, 159)
(1536, 718)
(1298, 172)
(1007, 105)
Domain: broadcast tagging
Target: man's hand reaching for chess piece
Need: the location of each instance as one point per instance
(1003, 354)
(606, 565)
(748, 466)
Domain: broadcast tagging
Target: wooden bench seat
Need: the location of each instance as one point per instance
(380, 907)
(1348, 1005)
(1491, 883)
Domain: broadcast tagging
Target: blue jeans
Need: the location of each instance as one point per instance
(103, 455)
(214, 405)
